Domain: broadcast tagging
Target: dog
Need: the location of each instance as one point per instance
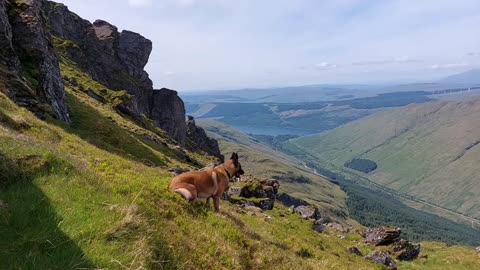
(210, 183)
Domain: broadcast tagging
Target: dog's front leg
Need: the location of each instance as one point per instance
(207, 202)
(216, 203)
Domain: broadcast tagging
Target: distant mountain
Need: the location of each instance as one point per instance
(468, 77)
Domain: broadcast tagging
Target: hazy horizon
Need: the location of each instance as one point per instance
(219, 45)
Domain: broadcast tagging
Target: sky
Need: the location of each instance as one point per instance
(231, 44)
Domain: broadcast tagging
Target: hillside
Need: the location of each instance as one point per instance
(67, 203)
(261, 160)
(87, 147)
(429, 151)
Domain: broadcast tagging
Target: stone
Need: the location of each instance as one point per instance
(354, 250)
(318, 226)
(338, 227)
(381, 235)
(406, 251)
(382, 257)
(308, 212)
(289, 200)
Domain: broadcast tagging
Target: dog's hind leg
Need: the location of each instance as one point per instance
(188, 191)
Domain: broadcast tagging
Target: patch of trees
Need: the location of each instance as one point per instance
(375, 208)
(362, 165)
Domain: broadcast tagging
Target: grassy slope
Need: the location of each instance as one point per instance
(71, 204)
(261, 160)
(426, 150)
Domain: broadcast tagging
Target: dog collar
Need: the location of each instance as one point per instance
(228, 174)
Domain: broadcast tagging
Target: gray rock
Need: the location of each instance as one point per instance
(308, 212)
(168, 113)
(382, 235)
(318, 226)
(338, 227)
(382, 257)
(354, 250)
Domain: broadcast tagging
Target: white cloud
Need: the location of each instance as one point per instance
(168, 73)
(325, 65)
(140, 3)
(451, 65)
(396, 60)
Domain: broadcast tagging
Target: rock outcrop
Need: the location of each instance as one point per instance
(382, 235)
(406, 251)
(255, 192)
(198, 139)
(308, 212)
(168, 112)
(112, 58)
(29, 66)
(382, 257)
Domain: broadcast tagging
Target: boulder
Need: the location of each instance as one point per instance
(338, 227)
(258, 192)
(405, 250)
(382, 257)
(381, 235)
(308, 212)
(354, 250)
(260, 188)
(318, 226)
(289, 200)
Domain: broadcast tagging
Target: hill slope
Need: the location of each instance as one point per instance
(429, 151)
(261, 160)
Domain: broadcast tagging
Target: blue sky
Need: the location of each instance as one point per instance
(223, 44)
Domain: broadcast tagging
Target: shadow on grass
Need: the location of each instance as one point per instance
(104, 133)
(29, 234)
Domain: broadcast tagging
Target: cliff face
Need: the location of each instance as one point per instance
(197, 139)
(168, 112)
(117, 60)
(114, 59)
(29, 65)
(29, 33)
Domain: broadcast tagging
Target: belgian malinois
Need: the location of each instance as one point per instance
(207, 184)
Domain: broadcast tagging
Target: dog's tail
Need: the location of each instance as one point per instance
(187, 191)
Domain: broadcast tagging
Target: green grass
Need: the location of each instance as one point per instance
(92, 195)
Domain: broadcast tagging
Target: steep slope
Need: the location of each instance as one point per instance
(70, 201)
(429, 151)
(261, 160)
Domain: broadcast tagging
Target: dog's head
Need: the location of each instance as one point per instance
(238, 166)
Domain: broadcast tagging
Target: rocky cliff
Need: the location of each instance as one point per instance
(197, 139)
(29, 66)
(31, 31)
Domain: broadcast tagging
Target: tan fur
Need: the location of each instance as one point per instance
(206, 184)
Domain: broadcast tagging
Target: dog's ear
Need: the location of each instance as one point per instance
(235, 159)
